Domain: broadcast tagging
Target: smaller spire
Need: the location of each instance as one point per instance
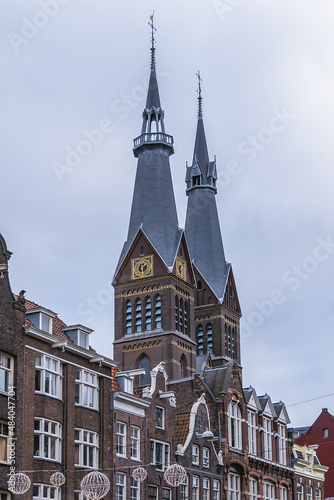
(199, 92)
(153, 29)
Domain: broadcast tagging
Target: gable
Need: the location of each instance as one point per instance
(231, 299)
(141, 261)
(183, 268)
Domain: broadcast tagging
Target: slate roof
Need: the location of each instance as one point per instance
(217, 379)
(182, 421)
(202, 226)
(153, 204)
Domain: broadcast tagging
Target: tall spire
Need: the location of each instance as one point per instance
(153, 204)
(202, 226)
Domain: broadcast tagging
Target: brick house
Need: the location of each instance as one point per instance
(321, 433)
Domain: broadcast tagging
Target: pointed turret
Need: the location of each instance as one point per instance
(202, 226)
(153, 205)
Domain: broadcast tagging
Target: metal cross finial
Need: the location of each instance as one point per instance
(199, 92)
(153, 29)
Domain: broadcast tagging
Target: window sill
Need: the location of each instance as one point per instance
(48, 459)
(49, 395)
(77, 405)
(120, 456)
(135, 459)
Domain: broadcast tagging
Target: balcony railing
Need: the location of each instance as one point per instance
(153, 137)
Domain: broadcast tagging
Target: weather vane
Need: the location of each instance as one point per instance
(199, 92)
(153, 29)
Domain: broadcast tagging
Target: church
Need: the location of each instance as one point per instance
(173, 394)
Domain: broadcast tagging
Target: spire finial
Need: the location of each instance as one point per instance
(199, 92)
(153, 29)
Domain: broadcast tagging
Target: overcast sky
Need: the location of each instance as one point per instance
(71, 66)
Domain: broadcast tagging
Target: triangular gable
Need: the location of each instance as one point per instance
(230, 282)
(205, 281)
(186, 257)
(251, 399)
(195, 169)
(124, 261)
(281, 413)
(267, 406)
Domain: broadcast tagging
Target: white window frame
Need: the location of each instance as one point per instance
(134, 489)
(6, 372)
(234, 425)
(251, 431)
(160, 410)
(281, 443)
(44, 492)
(206, 457)
(7, 493)
(252, 488)
(309, 492)
(233, 486)
(50, 370)
(206, 488)
(135, 443)
(78, 495)
(4, 437)
(300, 492)
(120, 439)
(184, 489)
(151, 488)
(267, 438)
(215, 489)
(317, 493)
(87, 442)
(86, 389)
(163, 493)
(49, 437)
(283, 491)
(195, 488)
(165, 452)
(195, 454)
(268, 491)
(120, 486)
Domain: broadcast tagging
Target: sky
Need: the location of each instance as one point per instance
(73, 88)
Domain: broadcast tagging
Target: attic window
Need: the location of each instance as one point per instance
(79, 338)
(325, 433)
(41, 319)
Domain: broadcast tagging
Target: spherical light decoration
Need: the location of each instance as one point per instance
(95, 485)
(175, 474)
(19, 484)
(139, 474)
(57, 479)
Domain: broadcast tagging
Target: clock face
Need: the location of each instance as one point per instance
(181, 268)
(142, 267)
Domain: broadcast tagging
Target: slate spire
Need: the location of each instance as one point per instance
(202, 226)
(153, 204)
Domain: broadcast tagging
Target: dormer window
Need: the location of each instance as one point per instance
(79, 334)
(41, 318)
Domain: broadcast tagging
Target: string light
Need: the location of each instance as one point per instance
(95, 485)
(175, 474)
(57, 479)
(19, 484)
(139, 474)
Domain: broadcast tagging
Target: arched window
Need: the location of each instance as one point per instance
(144, 363)
(176, 313)
(229, 343)
(181, 315)
(148, 314)
(186, 317)
(199, 285)
(128, 317)
(200, 341)
(157, 311)
(138, 315)
(226, 344)
(234, 425)
(209, 342)
(183, 366)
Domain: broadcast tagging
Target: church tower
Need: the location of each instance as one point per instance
(154, 282)
(217, 309)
